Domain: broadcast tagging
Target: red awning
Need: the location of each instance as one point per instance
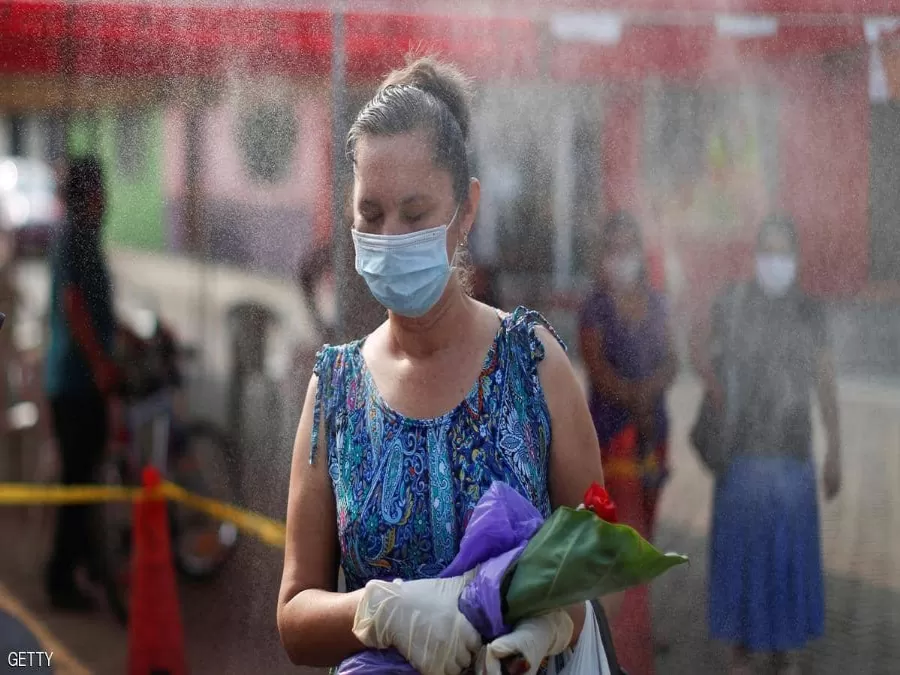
(118, 39)
(488, 48)
(818, 8)
(136, 39)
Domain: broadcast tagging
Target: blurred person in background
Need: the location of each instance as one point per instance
(315, 264)
(402, 432)
(627, 349)
(80, 374)
(766, 593)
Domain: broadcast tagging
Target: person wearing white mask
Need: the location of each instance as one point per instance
(627, 349)
(766, 351)
(403, 430)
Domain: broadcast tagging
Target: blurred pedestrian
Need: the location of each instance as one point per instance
(313, 267)
(766, 593)
(627, 349)
(80, 374)
(404, 431)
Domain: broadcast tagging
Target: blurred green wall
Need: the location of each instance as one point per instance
(130, 146)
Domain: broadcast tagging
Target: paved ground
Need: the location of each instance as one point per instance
(230, 622)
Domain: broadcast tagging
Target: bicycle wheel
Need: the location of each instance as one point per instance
(203, 466)
(114, 539)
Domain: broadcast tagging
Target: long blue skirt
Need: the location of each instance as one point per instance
(766, 591)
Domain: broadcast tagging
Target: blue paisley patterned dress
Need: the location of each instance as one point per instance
(405, 488)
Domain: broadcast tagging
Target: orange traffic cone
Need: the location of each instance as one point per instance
(155, 636)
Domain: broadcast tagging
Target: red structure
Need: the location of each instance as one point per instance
(812, 56)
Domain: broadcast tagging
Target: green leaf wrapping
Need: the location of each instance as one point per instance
(575, 557)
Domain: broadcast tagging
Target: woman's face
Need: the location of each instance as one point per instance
(776, 262)
(398, 189)
(623, 259)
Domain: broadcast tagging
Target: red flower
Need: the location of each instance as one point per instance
(597, 499)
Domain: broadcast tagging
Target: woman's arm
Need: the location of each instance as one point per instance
(315, 622)
(78, 317)
(574, 450)
(705, 339)
(826, 390)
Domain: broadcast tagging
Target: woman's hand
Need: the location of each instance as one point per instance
(832, 473)
(827, 391)
(421, 619)
(532, 640)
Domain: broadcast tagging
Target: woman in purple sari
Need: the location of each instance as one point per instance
(628, 353)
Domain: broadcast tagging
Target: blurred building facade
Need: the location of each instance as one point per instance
(698, 122)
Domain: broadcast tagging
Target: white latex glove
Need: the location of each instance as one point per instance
(534, 639)
(421, 619)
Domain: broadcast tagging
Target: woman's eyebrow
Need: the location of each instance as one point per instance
(368, 204)
(415, 200)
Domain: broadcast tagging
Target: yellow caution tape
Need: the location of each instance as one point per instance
(267, 530)
(24, 493)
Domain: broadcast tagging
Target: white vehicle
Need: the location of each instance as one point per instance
(30, 206)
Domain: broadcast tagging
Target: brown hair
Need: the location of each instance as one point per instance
(781, 223)
(426, 95)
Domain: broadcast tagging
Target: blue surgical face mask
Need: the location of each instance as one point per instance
(407, 273)
(623, 271)
(776, 272)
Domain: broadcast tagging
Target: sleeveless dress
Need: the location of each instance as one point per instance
(405, 488)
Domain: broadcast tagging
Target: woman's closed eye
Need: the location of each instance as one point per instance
(413, 218)
(368, 222)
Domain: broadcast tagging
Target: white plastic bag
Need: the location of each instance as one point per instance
(589, 656)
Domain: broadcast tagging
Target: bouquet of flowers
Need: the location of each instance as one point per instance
(527, 566)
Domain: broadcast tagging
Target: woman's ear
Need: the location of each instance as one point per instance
(471, 208)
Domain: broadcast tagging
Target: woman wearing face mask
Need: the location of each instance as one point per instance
(404, 430)
(766, 593)
(628, 353)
